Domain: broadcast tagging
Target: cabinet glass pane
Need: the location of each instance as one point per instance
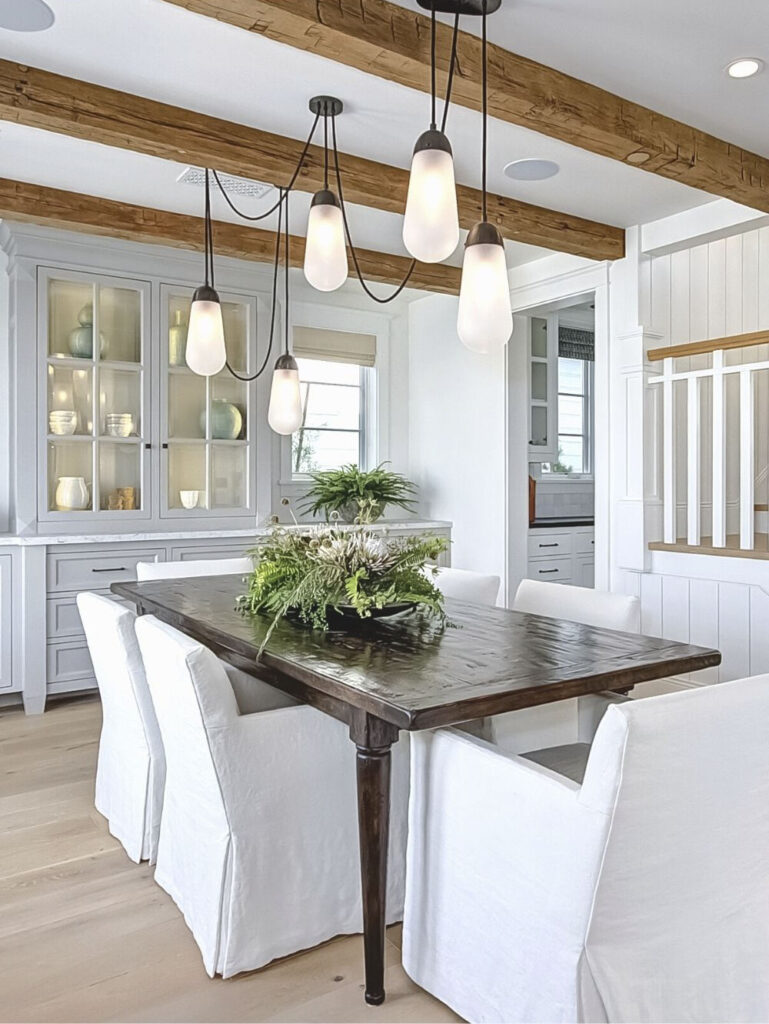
(570, 410)
(70, 475)
(539, 425)
(187, 476)
(235, 319)
(229, 476)
(178, 319)
(186, 405)
(120, 324)
(119, 402)
(229, 401)
(539, 382)
(539, 337)
(70, 400)
(70, 318)
(119, 476)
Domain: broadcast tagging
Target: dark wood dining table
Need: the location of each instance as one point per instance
(384, 675)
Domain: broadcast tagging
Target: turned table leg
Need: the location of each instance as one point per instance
(373, 775)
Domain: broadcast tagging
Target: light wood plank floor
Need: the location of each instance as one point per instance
(86, 935)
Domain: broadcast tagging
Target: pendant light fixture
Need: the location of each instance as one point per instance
(285, 412)
(431, 221)
(485, 319)
(205, 353)
(325, 253)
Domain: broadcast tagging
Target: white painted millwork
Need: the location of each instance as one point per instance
(562, 555)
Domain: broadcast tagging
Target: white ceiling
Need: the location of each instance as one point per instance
(162, 51)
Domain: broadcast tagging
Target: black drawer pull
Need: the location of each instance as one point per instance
(555, 544)
(544, 572)
(112, 568)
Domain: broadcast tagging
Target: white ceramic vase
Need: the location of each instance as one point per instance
(71, 494)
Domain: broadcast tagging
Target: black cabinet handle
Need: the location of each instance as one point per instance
(544, 572)
(554, 544)
(164, 444)
(112, 568)
(147, 446)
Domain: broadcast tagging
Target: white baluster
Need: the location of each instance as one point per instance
(747, 468)
(719, 448)
(668, 455)
(693, 461)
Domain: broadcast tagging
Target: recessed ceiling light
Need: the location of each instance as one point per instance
(25, 15)
(745, 67)
(531, 170)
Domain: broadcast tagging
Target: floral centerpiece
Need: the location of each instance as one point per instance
(358, 495)
(319, 572)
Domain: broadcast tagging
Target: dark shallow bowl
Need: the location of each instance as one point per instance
(346, 611)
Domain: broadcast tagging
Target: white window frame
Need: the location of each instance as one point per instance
(364, 426)
(374, 397)
(588, 426)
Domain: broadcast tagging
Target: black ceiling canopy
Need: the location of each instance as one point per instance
(473, 7)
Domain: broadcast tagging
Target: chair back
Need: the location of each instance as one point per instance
(126, 702)
(468, 586)
(680, 921)
(199, 567)
(579, 604)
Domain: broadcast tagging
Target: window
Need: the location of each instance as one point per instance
(333, 416)
(575, 380)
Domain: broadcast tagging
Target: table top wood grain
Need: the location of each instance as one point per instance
(408, 672)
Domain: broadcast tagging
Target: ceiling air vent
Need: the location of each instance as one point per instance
(232, 185)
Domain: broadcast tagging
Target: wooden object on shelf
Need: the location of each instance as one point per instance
(699, 348)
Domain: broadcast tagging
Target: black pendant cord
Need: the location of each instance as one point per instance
(283, 191)
(484, 89)
(325, 152)
(208, 258)
(432, 66)
(452, 65)
(276, 263)
(286, 275)
(353, 253)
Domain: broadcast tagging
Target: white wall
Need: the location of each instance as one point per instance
(457, 428)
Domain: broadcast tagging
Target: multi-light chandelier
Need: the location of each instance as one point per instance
(430, 234)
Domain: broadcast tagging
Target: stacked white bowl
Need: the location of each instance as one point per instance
(119, 424)
(62, 421)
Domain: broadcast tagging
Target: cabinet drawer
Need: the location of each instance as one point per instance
(64, 618)
(551, 570)
(549, 543)
(584, 543)
(68, 661)
(189, 554)
(97, 569)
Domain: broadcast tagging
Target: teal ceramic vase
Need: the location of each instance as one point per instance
(226, 421)
(81, 338)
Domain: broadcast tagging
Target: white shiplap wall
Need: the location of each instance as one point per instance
(712, 290)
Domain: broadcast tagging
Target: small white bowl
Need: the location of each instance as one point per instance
(62, 422)
(189, 499)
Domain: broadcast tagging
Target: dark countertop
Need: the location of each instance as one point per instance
(553, 524)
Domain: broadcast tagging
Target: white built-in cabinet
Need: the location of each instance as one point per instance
(543, 388)
(6, 620)
(564, 554)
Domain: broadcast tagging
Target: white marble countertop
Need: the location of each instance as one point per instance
(15, 540)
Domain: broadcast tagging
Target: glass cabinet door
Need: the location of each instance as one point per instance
(543, 355)
(95, 407)
(206, 425)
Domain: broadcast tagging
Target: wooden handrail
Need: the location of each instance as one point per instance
(699, 348)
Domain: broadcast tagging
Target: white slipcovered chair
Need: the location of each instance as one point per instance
(130, 772)
(251, 694)
(579, 604)
(259, 837)
(467, 586)
(637, 892)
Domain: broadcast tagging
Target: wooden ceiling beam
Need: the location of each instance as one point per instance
(82, 110)
(394, 43)
(36, 204)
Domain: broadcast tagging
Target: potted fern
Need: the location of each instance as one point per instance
(324, 576)
(358, 495)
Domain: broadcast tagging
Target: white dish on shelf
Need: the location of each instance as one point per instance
(189, 499)
(119, 424)
(62, 422)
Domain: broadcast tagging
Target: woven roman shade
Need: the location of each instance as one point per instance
(334, 346)
(576, 344)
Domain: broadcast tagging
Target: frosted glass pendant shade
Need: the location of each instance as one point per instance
(285, 412)
(205, 353)
(485, 320)
(431, 222)
(325, 253)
